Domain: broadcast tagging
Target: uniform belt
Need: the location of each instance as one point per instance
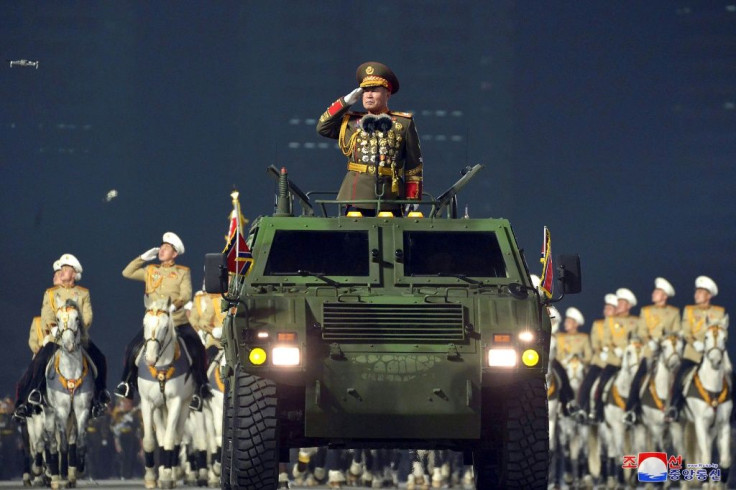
(371, 169)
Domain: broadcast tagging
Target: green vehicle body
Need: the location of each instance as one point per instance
(393, 319)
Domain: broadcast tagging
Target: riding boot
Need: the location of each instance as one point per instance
(678, 397)
(584, 393)
(101, 396)
(633, 402)
(196, 350)
(128, 384)
(608, 372)
(567, 396)
(37, 383)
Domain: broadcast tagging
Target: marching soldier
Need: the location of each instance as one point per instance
(380, 141)
(695, 321)
(166, 280)
(655, 321)
(70, 272)
(597, 363)
(572, 342)
(616, 334)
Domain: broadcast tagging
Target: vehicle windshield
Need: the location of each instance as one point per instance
(330, 253)
(453, 254)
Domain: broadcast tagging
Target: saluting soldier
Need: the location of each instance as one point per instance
(616, 334)
(597, 362)
(70, 272)
(655, 321)
(572, 342)
(695, 322)
(170, 281)
(392, 151)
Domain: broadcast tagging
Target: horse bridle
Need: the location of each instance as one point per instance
(153, 338)
(62, 318)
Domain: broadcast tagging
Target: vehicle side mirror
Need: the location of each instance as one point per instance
(568, 273)
(215, 273)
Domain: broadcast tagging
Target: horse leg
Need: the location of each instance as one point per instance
(149, 443)
(199, 445)
(724, 447)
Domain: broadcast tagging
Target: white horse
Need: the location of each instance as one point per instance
(166, 387)
(656, 389)
(69, 390)
(573, 435)
(613, 432)
(708, 402)
(213, 411)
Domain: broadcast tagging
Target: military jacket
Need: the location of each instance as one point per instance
(396, 152)
(207, 314)
(569, 344)
(655, 322)
(695, 322)
(616, 334)
(164, 282)
(596, 342)
(56, 296)
(36, 335)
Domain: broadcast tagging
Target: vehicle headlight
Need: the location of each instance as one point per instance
(286, 356)
(502, 357)
(530, 357)
(257, 356)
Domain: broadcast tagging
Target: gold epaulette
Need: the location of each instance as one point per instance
(54, 288)
(181, 266)
(82, 288)
(407, 115)
(718, 308)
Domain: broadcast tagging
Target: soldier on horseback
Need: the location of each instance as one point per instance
(166, 280)
(695, 321)
(70, 271)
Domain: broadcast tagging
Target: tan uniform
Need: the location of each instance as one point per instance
(695, 322)
(402, 171)
(207, 314)
(56, 296)
(36, 335)
(655, 322)
(596, 342)
(570, 344)
(174, 282)
(616, 334)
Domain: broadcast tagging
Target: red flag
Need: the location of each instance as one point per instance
(547, 277)
(238, 254)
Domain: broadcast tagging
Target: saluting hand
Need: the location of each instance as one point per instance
(150, 254)
(353, 96)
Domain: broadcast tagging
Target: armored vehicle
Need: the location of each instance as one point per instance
(415, 331)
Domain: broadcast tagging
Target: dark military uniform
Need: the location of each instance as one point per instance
(394, 154)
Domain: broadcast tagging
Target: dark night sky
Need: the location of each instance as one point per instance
(613, 123)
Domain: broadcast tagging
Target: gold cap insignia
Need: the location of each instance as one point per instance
(369, 70)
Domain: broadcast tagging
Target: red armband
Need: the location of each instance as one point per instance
(413, 189)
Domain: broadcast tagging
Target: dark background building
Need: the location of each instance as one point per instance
(613, 123)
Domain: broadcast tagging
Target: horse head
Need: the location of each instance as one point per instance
(669, 349)
(714, 343)
(69, 330)
(632, 355)
(575, 370)
(158, 328)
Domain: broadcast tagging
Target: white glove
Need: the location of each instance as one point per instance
(653, 345)
(217, 332)
(48, 338)
(699, 346)
(353, 96)
(172, 308)
(618, 351)
(604, 356)
(150, 254)
(54, 331)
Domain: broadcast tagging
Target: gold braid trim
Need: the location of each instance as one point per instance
(552, 387)
(653, 391)
(617, 398)
(346, 148)
(416, 170)
(71, 384)
(722, 397)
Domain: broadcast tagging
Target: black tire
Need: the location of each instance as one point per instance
(515, 434)
(255, 449)
(227, 437)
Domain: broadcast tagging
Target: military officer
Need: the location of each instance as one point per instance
(566, 395)
(166, 280)
(380, 141)
(695, 321)
(597, 363)
(655, 321)
(572, 342)
(616, 334)
(206, 315)
(70, 272)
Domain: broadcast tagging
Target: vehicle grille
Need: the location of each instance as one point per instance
(366, 321)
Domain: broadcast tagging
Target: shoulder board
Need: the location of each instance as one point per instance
(183, 267)
(407, 115)
(54, 288)
(81, 288)
(357, 114)
(671, 307)
(718, 308)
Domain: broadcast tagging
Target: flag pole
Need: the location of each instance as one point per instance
(236, 210)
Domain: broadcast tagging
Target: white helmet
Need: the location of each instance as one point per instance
(173, 240)
(71, 261)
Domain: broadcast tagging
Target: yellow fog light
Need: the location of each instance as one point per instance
(501, 357)
(285, 356)
(257, 356)
(530, 357)
(354, 214)
(415, 214)
(385, 214)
